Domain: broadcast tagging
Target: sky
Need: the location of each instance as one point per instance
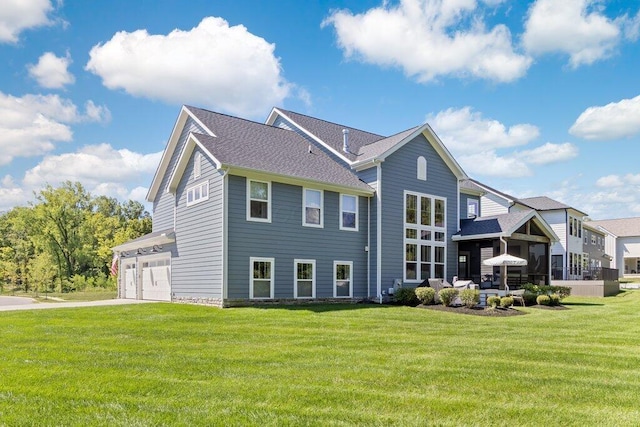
(533, 98)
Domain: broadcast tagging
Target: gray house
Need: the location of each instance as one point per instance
(294, 209)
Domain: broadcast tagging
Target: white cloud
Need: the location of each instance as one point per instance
(488, 163)
(33, 124)
(574, 27)
(212, 65)
(464, 130)
(94, 165)
(101, 169)
(549, 153)
(609, 181)
(51, 71)
(631, 27)
(19, 15)
(613, 121)
(429, 38)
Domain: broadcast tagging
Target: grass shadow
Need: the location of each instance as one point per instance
(321, 307)
(582, 304)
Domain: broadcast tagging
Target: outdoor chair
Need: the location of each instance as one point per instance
(518, 295)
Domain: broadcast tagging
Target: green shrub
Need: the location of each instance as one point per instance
(470, 297)
(405, 296)
(506, 302)
(561, 291)
(426, 295)
(493, 301)
(554, 299)
(529, 298)
(447, 296)
(543, 300)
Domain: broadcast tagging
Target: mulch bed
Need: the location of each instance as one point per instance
(484, 311)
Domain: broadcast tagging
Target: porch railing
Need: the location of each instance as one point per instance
(591, 273)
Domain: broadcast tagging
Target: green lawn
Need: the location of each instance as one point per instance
(89, 295)
(170, 364)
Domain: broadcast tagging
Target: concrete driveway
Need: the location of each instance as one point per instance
(21, 303)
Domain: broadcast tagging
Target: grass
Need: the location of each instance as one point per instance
(171, 364)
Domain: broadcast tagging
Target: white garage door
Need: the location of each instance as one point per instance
(156, 279)
(130, 288)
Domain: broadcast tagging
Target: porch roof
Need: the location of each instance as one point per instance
(156, 238)
(504, 225)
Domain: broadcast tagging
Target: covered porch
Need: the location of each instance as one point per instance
(521, 234)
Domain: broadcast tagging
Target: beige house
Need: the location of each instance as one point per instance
(622, 242)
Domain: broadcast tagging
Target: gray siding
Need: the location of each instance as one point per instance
(285, 239)
(197, 268)
(399, 173)
(463, 205)
(164, 202)
(370, 176)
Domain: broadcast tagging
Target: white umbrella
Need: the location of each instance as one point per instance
(505, 260)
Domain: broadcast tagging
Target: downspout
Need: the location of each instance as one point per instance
(368, 248)
(225, 234)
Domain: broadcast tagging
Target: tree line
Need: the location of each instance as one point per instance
(62, 241)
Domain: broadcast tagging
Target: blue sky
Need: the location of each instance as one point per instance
(532, 98)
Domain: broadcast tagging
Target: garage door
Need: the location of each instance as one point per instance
(130, 288)
(156, 279)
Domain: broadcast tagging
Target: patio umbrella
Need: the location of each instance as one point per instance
(505, 260)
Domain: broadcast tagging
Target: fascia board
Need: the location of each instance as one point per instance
(161, 170)
(286, 179)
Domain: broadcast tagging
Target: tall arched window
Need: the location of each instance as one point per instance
(422, 168)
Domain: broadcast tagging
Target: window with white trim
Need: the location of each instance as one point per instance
(304, 278)
(262, 272)
(198, 193)
(348, 212)
(422, 168)
(312, 202)
(472, 208)
(197, 166)
(342, 279)
(258, 201)
(593, 239)
(424, 237)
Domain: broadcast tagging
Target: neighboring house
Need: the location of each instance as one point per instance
(622, 243)
(594, 255)
(294, 209)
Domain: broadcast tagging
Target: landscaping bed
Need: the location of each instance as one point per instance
(474, 311)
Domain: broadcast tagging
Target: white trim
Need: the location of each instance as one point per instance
(276, 112)
(476, 203)
(248, 201)
(304, 208)
(418, 242)
(201, 190)
(421, 168)
(272, 261)
(342, 211)
(379, 234)
(225, 235)
(295, 277)
(335, 279)
(197, 166)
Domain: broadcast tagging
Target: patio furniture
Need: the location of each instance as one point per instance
(517, 295)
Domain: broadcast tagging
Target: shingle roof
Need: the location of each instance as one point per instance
(331, 133)
(622, 227)
(256, 146)
(477, 185)
(503, 224)
(543, 203)
(381, 146)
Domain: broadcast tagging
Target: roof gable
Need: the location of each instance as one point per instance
(503, 225)
(621, 227)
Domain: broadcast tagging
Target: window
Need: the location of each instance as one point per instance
(197, 165)
(472, 208)
(198, 193)
(348, 212)
(580, 229)
(424, 237)
(570, 226)
(261, 278)
(258, 201)
(304, 278)
(342, 279)
(593, 239)
(312, 216)
(422, 168)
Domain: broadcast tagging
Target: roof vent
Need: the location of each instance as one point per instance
(345, 140)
